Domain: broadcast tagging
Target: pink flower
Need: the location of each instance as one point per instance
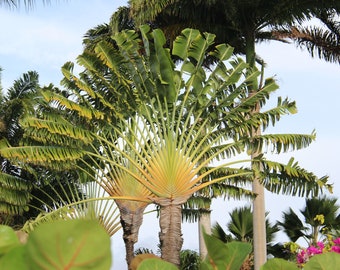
(302, 257)
(321, 246)
(337, 241)
(314, 250)
(335, 249)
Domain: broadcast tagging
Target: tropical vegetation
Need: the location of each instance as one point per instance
(160, 119)
(164, 138)
(241, 24)
(25, 192)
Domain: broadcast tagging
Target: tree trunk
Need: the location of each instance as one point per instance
(259, 218)
(259, 229)
(131, 222)
(259, 213)
(204, 223)
(170, 236)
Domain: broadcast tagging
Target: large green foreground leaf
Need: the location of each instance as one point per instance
(8, 239)
(326, 261)
(15, 259)
(73, 245)
(279, 264)
(228, 256)
(156, 264)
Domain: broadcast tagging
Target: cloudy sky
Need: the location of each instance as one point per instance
(46, 37)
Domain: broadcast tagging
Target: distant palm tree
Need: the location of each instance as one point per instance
(25, 191)
(190, 260)
(321, 216)
(241, 229)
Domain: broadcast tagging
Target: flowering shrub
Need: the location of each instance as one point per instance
(332, 245)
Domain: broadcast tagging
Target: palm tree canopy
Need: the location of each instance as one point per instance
(238, 23)
(162, 124)
(112, 89)
(15, 183)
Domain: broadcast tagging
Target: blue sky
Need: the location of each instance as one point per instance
(46, 37)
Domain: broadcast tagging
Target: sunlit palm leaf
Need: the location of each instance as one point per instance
(14, 194)
(92, 203)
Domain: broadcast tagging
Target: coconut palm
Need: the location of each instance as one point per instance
(146, 118)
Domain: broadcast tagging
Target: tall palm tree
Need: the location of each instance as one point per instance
(240, 24)
(147, 119)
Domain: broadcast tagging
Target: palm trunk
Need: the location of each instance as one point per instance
(259, 223)
(170, 236)
(259, 214)
(204, 224)
(131, 222)
(259, 229)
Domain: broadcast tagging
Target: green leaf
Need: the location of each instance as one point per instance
(228, 256)
(156, 264)
(8, 239)
(237, 253)
(325, 261)
(162, 67)
(14, 259)
(223, 52)
(279, 264)
(72, 244)
(183, 42)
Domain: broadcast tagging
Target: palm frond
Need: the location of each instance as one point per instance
(40, 155)
(15, 194)
(92, 203)
(281, 142)
(291, 179)
(319, 42)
